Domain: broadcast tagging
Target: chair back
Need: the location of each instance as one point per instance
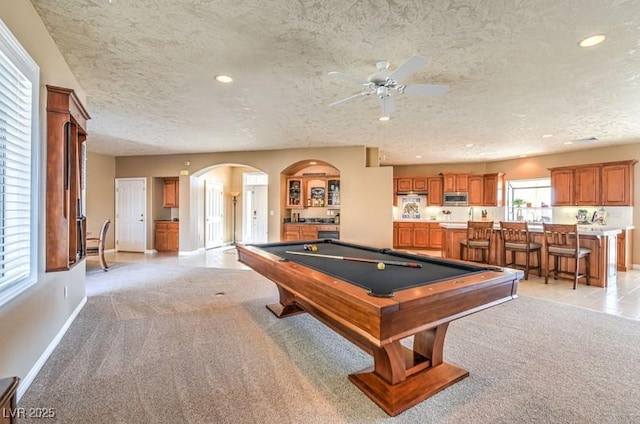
(479, 231)
(561, 238)
(103, 232)
(514, 232)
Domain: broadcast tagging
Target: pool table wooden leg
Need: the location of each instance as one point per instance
(402, 378)
(287, 305)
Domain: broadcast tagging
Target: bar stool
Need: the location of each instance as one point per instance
(516, 238)
(478, 238)
(563, 241)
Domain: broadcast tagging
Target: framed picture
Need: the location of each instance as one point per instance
(599, 217)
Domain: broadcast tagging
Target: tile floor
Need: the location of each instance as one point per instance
(622, 299)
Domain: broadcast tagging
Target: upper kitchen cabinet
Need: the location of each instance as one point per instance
(435, 191)
(600, 184)
(65, 220)
(587, 183)
(562, 187)
(617, 183)
(171, 195)
(456, 182)
(476, 190)
(494, 189)
(404, 185)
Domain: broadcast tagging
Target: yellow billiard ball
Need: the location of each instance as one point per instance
(314, 248)
(380, 266)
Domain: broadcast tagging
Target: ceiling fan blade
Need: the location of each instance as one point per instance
(410, 66)
(386, 103)
(428, 89)
(364, 93)
(347, 77)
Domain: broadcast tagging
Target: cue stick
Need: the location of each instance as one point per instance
(350, 258)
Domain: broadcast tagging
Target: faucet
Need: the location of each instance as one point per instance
(471, 214)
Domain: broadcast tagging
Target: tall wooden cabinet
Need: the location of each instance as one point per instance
(65, 220)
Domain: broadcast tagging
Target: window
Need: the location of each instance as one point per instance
(19, 84)
(528, 200)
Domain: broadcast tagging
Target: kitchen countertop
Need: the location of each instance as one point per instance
(588, 229)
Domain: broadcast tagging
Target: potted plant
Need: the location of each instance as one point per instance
(518, 203)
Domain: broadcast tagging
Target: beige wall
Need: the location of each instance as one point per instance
(30, 323)
(101, 173)
(366, 192)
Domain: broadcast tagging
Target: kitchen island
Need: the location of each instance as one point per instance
(601, 240)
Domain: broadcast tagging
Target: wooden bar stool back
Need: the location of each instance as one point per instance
(478, 239)
(563, 241)
(516, 239)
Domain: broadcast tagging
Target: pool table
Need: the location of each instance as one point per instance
(414, 295)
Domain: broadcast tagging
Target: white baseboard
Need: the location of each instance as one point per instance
(28, 379)
(150, 252)
(635, 266)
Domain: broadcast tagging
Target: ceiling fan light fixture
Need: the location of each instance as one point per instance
(384, 118)
(225, 79)
(592, 40)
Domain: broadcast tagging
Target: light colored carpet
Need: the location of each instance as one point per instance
(159, 343)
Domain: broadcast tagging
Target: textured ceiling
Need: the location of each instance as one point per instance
(513, 67)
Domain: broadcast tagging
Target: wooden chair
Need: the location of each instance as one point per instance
(516, 239)
(478, 238)
(563, 241)
(95, 245)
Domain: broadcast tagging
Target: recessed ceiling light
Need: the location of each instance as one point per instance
(384, 118)
(547, 135)
(468, 145)
(418, 156)
(523, 156)
(568, 142)
(313, 163)
(225, 79)
(592, 41)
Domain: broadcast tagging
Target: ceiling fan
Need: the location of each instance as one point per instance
(383, 82)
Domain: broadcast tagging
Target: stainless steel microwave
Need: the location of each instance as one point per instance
(457, 198)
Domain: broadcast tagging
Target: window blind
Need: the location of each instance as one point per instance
(15, 173)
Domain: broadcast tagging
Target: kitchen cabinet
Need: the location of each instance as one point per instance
(404, 185)
(405, 234)
(294, 193)
(419, 235)
(599, 184)
(395, 192)
(587, 185)
(410, 185)
(171, 193)
(617, 183)
(562, 188)
(476, 190)
(290, 232)
(65, 155)
(434, 191)
(456, 182)
(494, 189)
(167, 235)
(295, 232)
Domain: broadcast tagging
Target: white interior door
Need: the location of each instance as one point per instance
(213, 228)
(131, 214)
(255, 215)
